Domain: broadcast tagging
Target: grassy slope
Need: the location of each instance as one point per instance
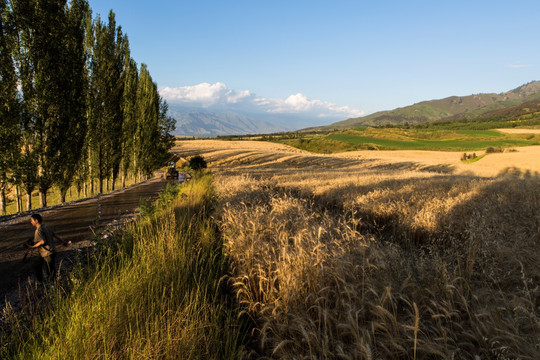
(448, 145)
(450, 107)
(410, 139)
(151, 292)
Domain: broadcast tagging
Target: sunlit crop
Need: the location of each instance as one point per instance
(357, 258)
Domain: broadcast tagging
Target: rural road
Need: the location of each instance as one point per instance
(71, 222)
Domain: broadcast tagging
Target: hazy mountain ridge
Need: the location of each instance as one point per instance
(201, 123)
(453, 107)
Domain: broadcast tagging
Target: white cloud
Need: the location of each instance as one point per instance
(299, 103)
(212, 95)
(204, 94)
(518, 66)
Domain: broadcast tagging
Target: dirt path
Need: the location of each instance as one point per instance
(72, 223)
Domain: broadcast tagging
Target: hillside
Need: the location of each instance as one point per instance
(453, 107)
(526, 110)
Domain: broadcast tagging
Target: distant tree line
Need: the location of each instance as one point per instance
(75, 109)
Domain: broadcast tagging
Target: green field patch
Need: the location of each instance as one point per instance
(321, 146)
(480, 133)
(449, 145)
(473, 160)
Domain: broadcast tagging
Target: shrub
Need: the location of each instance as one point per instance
(197, 162)
(491, 150)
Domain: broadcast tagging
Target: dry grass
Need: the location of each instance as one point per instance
(258, 154)
(354, 257)
(519, 131)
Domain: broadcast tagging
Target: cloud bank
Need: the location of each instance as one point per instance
(219, 96)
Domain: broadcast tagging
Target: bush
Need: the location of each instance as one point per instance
(491, 150)
(197, 162)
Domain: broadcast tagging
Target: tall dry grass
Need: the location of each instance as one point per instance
(338, 259)
(153, 291)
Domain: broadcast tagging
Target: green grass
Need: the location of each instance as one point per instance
(370, 138)
(480, 133)
(449, 145)
(153, 291)
(473, 160)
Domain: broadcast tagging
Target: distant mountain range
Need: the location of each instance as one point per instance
(204, 122)
(450, 108)
(200, 123)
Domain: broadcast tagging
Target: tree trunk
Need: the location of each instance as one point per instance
(28, 199)
(18, 198)
(42, 198)
(3, 205)
(63, 196)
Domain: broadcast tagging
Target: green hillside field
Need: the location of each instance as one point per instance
(410, 139)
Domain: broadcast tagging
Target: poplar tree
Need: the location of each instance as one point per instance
(147, 121)
(72, 126)
(27, 169)
(10, 132)
(129, 124)
(166, 125)
(48, 53)
(106, 97)
(153, 138)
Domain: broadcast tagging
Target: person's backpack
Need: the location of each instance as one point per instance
(47, 237)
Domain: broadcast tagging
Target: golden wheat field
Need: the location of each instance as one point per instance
(381, 255)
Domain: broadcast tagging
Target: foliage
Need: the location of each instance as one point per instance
(197, 162)
(10, 137)
(106, 95)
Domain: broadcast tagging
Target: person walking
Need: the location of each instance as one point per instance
(44, 240)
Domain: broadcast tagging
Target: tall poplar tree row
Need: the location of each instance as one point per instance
(73, 105)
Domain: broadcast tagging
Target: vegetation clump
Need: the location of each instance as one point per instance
(492, 150)
(197, 163)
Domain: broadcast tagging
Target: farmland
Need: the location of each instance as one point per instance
(281, 253)
(409, 139)
(393, 255)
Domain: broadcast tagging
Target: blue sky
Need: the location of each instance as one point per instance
(332, 59)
